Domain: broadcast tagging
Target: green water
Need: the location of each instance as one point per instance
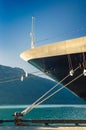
(45, 112)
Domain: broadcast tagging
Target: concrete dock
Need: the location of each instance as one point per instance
(40, 128)
(57, 128)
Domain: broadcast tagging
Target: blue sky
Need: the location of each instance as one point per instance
(52, 18)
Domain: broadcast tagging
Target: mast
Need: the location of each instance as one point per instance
(32, 34)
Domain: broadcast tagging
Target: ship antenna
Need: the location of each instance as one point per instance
(32, 34)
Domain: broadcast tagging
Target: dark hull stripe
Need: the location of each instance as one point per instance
(57, 67)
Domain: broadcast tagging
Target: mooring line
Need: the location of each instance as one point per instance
(28, 109)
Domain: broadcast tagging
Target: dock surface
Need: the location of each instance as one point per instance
(57, 128)
(40, 128)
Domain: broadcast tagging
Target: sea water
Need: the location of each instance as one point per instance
(45, 112)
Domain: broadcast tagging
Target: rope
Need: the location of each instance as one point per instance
(36, 102)
(18, 77)
(84, 60)
(4, 80)
(61, 34)
(26, 110)
(70, 62)
(10, 80)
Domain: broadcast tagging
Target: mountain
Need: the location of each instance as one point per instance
(14, 91)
